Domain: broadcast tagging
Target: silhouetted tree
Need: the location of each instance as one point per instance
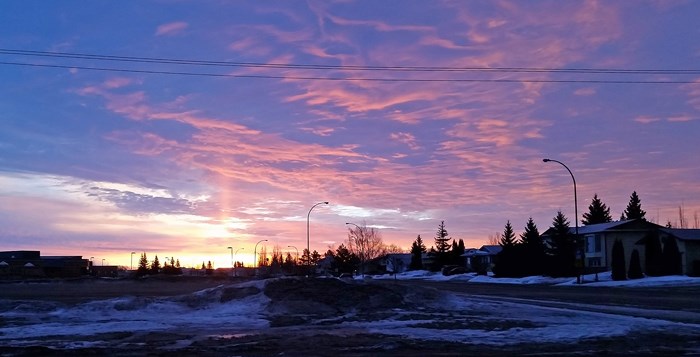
(456, 252)
(534, 249)
(598, 212)
(562, 249)
(417, 250)
(635, 271)
(315, 257)
(634, 208)
(653, 263)
(365, 242)
(155, 266)
(143, 265)
(344, 261)
(508, 237)
(671, 258)
(442, 247)
(618, 261)
(209, 266)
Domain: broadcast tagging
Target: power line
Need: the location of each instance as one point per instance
(355, 79)
(344, 67)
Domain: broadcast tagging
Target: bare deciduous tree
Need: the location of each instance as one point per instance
(365, 242)
(393, 248)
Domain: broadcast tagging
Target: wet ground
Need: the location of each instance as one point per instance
(323, 317)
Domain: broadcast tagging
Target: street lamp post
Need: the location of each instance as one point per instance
(578, 278)
(132, 260)
(103, 262)
(235, 268)
(297, 250)
(255, 252)
(231, 249)
(362, 254)
(308, 249)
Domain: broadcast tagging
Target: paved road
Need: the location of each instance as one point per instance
(680, 304)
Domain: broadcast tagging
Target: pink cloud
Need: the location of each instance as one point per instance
(646, 119)
(585, 91)
(406, 138)
(172, 28)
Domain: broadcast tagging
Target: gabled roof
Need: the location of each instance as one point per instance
(491, 249)
(683, 234)
(629, 224)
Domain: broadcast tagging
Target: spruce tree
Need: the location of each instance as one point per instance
(562, 248)
(155, 265)
(442, 246)
(143, 265)
(534, 248)
(598, 212)
(618, 261)
(508, 236)
(635, 271)
(417, 250)
(653, 263)
(634, 208)
(671, 258)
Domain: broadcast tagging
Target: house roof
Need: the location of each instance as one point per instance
(491, 249)
(683, 234)
(631, 224)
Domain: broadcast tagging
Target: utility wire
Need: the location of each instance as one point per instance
(343, 67)
(372, 79)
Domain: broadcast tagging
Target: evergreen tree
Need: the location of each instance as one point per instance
(618, 261)
(344, 261)
(508, 237)
(315, 257)
(155, 265)
(652, 253)
(417, 250)
(635, 271)
(671, 258)
(143, 265)
(534, 248)
(598, 212)
(209, 266)
(457, 251)
(442, 247)
(634, 208)
(562, 248)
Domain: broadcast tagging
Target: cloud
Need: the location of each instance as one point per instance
(171, 29)
(406, 138)
(646, 119)
(585, 91)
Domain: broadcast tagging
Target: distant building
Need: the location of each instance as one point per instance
(23, 264)
(482, 259)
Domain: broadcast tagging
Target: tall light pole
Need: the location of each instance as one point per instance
(308, 249)
(234, 263)
(103, 262)
(297, 250)
(255, 252)
(132, 260)
(575, 212)
(231, 249)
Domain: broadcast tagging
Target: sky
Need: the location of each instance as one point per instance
(180, 128)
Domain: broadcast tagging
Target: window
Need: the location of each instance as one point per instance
(593, 244)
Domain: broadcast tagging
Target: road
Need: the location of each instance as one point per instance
(678, 304)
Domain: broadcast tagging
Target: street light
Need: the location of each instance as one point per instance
(132, 260)
(575, 212)
(362, 257)
(103, 262)
(297, 250)
(255, 252)
(308, 249)
(234, 264)
(231, 249)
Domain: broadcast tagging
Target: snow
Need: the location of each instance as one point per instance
(470, 319)
(604, 279)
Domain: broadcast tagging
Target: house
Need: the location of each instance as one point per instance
(598, 240)
(388, 263)
(482, 259)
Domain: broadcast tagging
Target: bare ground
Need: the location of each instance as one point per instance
(306, 317)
